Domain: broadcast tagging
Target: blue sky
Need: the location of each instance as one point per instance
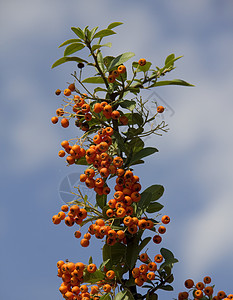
(194, 162)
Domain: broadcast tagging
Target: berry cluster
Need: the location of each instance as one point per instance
(73, 278)
(147, 270)
(202, 289)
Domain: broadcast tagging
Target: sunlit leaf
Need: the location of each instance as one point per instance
(93, 80)
(172, 82)
(74, 47)
(120, 59)
(65, 59)
(114, 24)
(69, 42)
(103, 33)
(78, 31)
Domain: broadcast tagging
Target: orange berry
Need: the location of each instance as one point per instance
(165, 219)
(189, 283)
(61, 215)
(58, 92)
(158, 258)
(115, 73)
(151, 275)
(142, 62)
(77, 234)
(56, 220)
(65, 208)
(208, 290)
(198, 294)
(157, 239)
(200, 285)
(160, 109)
(97, 108)
(124, 120)
(111, 78)
(61, 153)
(107, 288)
(54, 120)
(152, 266)
(121, 69)
(162, 229)
(67, 92)
(64, 122)
(110, 274)
(71, 87)
(143, 257)
(207, 280)
(60, 112)
(91, 268)
(221, 294)
(84, 243)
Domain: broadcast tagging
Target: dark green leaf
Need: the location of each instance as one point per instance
(120, 59)
(166, 287)
(114, 24)
(103, 33)
(132, 252)
(101, 200)
(129, 104)
(78, 31)
(69, 42)
(167, 254)
(154, 207)
(90, 260)
(74, 47)
(144, 243)
(115, 253)
(143, 153)
(93, 277)
(136, 144)
(104, 263)
(107, 60)
(172, 82)
(120, 141)
(143, 203)
(156, 190)
(138, 162)
(93, 80)
(65, 59)
(151, 297)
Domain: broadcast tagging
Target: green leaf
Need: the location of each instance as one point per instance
(103, 33)
(78, 31)
(169, 62)
(129, 104)
(114, 24)
(69, 42)
(73, 48)
(169, 258)
(90, 260)
(115, 253)
(93, 31)
(100, 61)
(101, 200)
(156, 190)
(172, 82)
(143, 153)
(93, 80)
(94, 47)
(144, 68)
(154, 207)
(144, 243)
(120, 59)
(81, 161)
(135, 144)
(93, 277)
(107, 60)
(104, 263)
(124, 295)
(98, 89)
(169, 58)
(105, 297)
(65, 59)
